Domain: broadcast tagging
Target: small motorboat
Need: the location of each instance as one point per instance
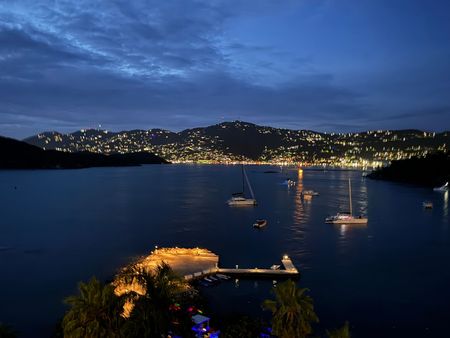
(214, 279)
(427, 205)
(260, 223)
(275, 267)
(207, 280)
(224, 277)
(310, 193)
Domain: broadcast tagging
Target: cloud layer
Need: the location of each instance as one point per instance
(179, 64)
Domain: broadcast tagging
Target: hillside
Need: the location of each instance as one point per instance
(20, 155)
(432, 170)
(230, 141)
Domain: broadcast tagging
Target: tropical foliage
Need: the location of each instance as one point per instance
(292, 311)
(98, 310)
(160, 304)
(94, 312)
(151, 315)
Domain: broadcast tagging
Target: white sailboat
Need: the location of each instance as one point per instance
(239, 199)
(347, 218)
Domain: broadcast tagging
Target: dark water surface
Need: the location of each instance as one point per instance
(389, 278)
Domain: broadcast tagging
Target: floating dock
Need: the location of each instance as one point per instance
(194, 263)
(289, 271)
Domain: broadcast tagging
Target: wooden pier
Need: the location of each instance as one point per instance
(289, 271)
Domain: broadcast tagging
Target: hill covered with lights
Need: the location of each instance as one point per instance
(242, 141)
(20, 155)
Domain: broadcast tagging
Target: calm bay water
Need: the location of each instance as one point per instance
(389, 278)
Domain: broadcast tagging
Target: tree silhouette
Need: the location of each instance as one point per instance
(94, 312)
(292, 311)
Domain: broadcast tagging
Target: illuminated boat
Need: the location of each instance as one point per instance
(427, 205)
(347, 218)
(289, 182)
(260, 223)
(442, 188)
(239, 199)
(310, 193)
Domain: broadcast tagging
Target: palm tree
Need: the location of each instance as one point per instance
(150, 316)
(293, 311)
(95, 312)
(343, 332)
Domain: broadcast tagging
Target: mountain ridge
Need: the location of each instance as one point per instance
(226, 123)
(240, 141)
(16, 154)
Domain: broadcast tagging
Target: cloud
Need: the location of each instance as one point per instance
(430, 111)
(171, 64)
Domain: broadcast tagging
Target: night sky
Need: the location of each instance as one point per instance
(332, 65)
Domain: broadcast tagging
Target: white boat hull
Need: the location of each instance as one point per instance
(260, 224)
(241, 202)
(310, 193)
(361, 220)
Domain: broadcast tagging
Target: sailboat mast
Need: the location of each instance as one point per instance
(249, 186)
(243, 183)
(350, 193)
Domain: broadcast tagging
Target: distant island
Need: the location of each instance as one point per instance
(242, 141)
(432, 170)
(20, 155)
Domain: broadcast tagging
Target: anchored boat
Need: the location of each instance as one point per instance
(260, 223)
(347, 218)
(239, 199)
(310, 193)
(427, 205)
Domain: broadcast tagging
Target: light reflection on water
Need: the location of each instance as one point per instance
(301, 217)
(445, 205)
(302, 204)
(348, 233)
(361, 201)
(342, 229)
(346, 229)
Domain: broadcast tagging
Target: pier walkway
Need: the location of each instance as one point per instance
(289, 271)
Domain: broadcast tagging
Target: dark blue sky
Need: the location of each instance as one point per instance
(333, 65)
